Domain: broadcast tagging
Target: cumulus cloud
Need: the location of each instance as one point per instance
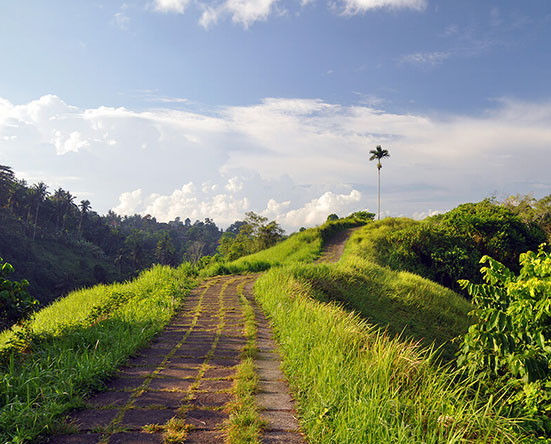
(177, 6)
(129, 203)
(286, 158)
(360, 6)
(226, 208)
(244, 12)
(187, 201)
(316, 211)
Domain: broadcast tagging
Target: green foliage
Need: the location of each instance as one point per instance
(356, 384)
(15, 302)
(255, 234)
(165, 252)
(364, 216)
(510, 344)
(400, 303)
(447, 247)
(60, 246)
(533, 212)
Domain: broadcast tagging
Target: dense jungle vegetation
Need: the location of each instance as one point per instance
(448, 247)
(59, 245)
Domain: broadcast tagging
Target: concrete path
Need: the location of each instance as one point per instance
(334, 247)
(186, 373)
(182, 382)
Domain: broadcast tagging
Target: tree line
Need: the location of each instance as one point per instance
(59, 244)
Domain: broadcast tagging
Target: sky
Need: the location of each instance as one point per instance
(194, 108)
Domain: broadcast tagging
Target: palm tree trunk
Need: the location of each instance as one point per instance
(378, 194)
(36, 220)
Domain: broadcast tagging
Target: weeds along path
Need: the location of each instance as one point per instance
(334, 247)
(177, 389)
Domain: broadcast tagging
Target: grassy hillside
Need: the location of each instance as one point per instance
(75, 343)
(355, 339)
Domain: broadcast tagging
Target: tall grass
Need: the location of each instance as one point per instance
(302, 247)
(70, 347)
(402, 303)
(356, 384)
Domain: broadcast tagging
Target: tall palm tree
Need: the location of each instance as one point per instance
(378, 153)
(84, 207)
(40, 192)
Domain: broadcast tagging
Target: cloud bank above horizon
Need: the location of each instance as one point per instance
(293, 160)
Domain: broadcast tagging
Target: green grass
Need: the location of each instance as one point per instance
(75, 344)
(245, 425)
(354, 383)
(302, 247)
(402, 303)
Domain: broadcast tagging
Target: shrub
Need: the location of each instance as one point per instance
(15, 303)
(511, 342)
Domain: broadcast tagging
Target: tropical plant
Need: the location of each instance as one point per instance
(510, 344)
(39, 193)
(378, 153)
(84, 208)
(15, 302)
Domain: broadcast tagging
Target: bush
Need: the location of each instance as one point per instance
(511, 342)
(447, 247)
(15, 303)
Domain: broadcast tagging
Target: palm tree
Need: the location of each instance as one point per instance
(40, 192)
(85, 207)
(378, 153)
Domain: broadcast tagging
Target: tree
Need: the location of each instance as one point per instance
(165, 252)
(255, 234)
(7, 178)
(84, 207)
(39, 193)
(378, 153)
(195, 251)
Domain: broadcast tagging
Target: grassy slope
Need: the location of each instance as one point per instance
(76, 343)
(354, 383)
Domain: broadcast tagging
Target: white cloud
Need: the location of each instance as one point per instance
(185, 202)
(234, 185)
(281, 157)
(72, 143)
(226, 208)
(177, 6)
(361, 6)
(129, 203)
(426, 58)
(244, 12)
(316, 211)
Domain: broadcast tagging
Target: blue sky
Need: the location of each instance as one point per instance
(200, 109)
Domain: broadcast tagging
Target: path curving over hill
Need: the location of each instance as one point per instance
(183, 380)
(334, 247)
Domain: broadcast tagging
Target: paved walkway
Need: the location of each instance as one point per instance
(334, 247)
(186, 373)
(182, 382)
